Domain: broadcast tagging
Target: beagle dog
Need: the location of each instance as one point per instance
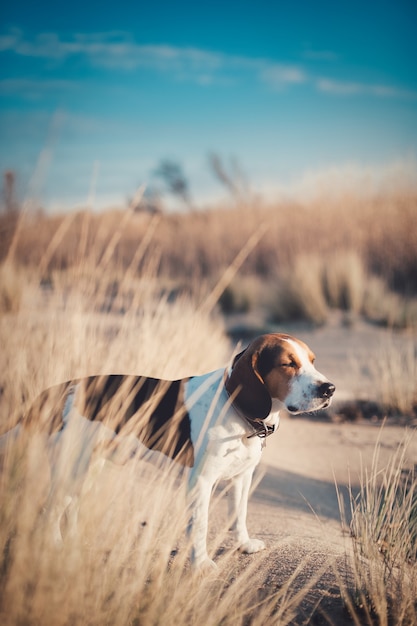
(214, 426)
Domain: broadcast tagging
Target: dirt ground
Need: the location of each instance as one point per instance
(294, 508)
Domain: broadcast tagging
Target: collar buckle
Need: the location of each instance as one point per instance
(262, 430)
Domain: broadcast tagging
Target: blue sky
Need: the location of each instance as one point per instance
(286, 88)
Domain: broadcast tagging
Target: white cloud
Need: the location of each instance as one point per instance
(337, 87)
(277, 75)
(346, 88)
(117, 50)
(113, 49)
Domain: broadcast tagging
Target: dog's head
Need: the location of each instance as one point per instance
(277, 367)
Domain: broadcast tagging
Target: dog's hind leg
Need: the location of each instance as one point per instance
(199, 501)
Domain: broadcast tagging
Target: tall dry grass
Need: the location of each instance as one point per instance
(384, 541)
(71, 331)
(380, 229)
(125, 561)
(122, 293)
(314, 284)
(370, 242)
(394, 371)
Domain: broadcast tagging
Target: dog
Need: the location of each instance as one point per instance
(213, 426)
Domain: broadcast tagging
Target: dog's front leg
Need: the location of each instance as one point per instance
(199, 500)
(238, 508)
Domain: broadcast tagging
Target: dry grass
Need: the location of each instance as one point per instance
(203, 243)
(313, 285)
(370, 243)
(300, 292)
(122, 293)
(126, 560)
(61, 335)
(344, 281)
(395, 376)
(384, 540)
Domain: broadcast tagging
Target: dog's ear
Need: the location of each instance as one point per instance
(237, 357)
(252, 396)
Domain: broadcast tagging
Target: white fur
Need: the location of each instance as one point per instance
(301, 393)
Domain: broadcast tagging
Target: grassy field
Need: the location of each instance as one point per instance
(359, 254)
(126, 292)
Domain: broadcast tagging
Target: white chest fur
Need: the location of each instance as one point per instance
(219, 435)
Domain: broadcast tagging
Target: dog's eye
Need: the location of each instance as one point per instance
(292, 364)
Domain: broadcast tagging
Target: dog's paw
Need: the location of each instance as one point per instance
(205, 567)
(251, 546)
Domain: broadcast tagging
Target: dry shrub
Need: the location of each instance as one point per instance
(391, 242)
(313, 284)
(384, 540)
(383, 306)
(345, 280)
(394, 372)
(300, 292)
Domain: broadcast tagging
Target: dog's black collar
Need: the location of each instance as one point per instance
(260, 429)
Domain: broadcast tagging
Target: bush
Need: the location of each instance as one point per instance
(384, 539)
(299, 294)
(313, 284)
(235, 299)
(394, 372)
(344, 281)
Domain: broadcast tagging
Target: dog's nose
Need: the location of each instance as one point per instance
(326, 390)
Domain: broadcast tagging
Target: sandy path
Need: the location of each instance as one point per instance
(304, 458)
(295, 510)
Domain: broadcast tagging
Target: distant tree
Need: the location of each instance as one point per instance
(172, 174)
